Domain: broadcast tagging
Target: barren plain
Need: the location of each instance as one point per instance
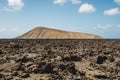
(47, 59)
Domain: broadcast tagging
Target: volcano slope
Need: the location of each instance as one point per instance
(48, 33)
(59, 59)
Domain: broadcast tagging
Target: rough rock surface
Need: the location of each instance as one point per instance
(47, 33)
(59, 59)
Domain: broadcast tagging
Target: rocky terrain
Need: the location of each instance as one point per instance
(59, 59)
(47, 33)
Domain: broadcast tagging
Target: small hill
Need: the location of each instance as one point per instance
(47, 33)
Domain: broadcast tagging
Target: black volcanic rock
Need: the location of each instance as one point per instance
(60, 59)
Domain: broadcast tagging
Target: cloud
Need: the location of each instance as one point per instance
(76, 1)
(9, 32)
(14, 5)
(117, 1)
(112, 12)
(106, 26)
(118, 25)
(60, 2)
(2, 29)
(87, 8)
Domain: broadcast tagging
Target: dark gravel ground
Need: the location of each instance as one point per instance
(59, 59)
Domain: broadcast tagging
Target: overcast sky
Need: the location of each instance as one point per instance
(101, 17)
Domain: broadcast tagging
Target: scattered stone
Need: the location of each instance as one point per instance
(3, 60)
(59, 60)
(1, 75)
(111, 59)
(75, 58)
(17, 46)
(107, 51)
(101, 76)
(8, 78)
(82, 73)
(49, 68)
(12, 61)
(24, 58)
(1, 69)
(25, 75)
(28, 64)
(71, 68)
(72, 58)
(16, 67)
(101, 59)
(1, 52)
(62, 67)
(15, 73)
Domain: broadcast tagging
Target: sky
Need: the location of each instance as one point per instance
(100, 17)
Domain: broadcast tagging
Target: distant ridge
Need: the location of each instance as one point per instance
(47, 33)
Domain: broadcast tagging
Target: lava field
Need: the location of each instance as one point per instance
(47, 59)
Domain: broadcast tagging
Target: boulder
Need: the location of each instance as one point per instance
(101, 59)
